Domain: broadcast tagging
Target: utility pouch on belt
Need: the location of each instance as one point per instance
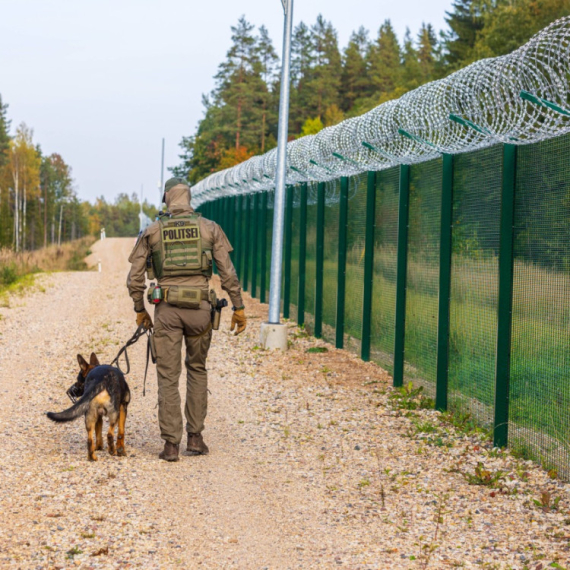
(186, 297)
(154, 294)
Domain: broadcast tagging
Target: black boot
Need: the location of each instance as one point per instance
(170, 451)
(196, 445)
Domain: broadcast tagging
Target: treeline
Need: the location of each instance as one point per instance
(38, 203)
(330, 84)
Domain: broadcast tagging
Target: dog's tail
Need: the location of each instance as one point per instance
(79, 408)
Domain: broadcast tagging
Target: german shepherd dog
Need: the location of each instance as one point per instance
(106, 394)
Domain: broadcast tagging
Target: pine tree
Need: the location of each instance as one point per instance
(411, 75)
(4, 132)
(267, 61)
(465, 21)
(509, 25)
(238, 82)
(324, 82)
(384, 62)
(302, 61)
(427, 52)
(354, 80)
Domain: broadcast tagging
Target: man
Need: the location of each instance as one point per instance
(180, 247)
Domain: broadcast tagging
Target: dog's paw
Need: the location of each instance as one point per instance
(99, 447)
(93, 458)
(121, 452)
(112, 451)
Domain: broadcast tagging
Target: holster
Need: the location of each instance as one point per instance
(214, 314)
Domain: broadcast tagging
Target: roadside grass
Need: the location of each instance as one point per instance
(18, 270)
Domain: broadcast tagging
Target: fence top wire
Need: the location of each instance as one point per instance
(518, 98)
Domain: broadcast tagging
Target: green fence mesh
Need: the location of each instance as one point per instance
(238, 233)
(540, 367)
(295, 233)
(311, 257)
(474, 283)
(330, 266)
(423, 274)
(355, 262)
(539, 420)
(269, 239)
(385, 257)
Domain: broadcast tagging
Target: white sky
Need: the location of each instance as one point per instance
(101, 82)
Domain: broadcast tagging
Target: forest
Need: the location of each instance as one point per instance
(39, 205)
(330, 84)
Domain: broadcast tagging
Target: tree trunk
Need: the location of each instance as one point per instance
(24, 215)
(16, 211)
(45, 213)
(263, 126)
(60, 219)
(238, 125)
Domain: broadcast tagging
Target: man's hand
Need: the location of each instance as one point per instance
(239, 321)
(143, 318)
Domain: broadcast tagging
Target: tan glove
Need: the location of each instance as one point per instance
(143, 318)
(239, 321)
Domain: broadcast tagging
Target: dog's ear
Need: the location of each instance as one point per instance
(82, 364)
(93, 361)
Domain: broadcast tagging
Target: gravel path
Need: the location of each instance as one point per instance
(312, 463)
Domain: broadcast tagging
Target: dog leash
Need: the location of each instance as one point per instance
(141, 331)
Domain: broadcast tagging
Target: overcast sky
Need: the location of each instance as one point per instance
(102, 81)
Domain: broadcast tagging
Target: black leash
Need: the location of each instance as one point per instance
(141, 331)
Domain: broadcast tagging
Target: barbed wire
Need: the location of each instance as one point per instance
(519, 98)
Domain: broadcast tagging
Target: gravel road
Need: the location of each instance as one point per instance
(312, 465)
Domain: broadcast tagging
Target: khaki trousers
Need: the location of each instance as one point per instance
(171, 324)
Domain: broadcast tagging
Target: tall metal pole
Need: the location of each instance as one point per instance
(280, 179)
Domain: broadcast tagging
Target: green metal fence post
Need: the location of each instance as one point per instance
(288, 252)
(503, 364)
(254, 245)
(368, 266)
(320, 260)
(402, 268)
(342, 245)
(232, 219)
(226, 213)
(263, 231)
(247, 235)
(302, 255)
(239, 235)
(444, 284)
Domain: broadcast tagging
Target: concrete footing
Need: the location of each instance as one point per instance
(274, 336)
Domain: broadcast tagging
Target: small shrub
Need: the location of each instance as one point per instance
(8, 274)
(483, 476)
(547, 503)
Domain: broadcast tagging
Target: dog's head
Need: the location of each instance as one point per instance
(86, 367)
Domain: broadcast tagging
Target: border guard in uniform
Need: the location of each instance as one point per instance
(178, 250)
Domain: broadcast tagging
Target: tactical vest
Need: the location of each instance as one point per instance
(181, 250)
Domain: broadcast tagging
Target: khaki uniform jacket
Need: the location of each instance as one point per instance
(213, 237)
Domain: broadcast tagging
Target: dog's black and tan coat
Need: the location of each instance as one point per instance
(106, 394)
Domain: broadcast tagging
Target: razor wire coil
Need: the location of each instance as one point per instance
(519, 98)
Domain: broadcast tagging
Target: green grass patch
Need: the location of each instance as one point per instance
(317, 349)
